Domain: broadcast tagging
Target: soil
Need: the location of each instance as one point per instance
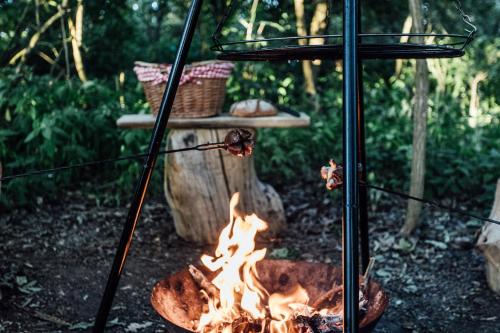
(54, 263)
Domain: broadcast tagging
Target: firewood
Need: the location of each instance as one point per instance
(203, 282)
(245, 324)
(327, 296)
(302, 324)
(367, 276)
(329, 323)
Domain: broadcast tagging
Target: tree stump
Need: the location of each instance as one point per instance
(489, 243)
(198, 186)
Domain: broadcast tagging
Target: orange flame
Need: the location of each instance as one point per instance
(241, 293)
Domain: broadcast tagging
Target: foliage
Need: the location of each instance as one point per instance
(46, 121)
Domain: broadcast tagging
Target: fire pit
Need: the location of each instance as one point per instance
(177, 298)
(236, 290)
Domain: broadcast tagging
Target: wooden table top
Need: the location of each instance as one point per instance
(281, 120)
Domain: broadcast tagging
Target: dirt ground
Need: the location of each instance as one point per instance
(54, 263)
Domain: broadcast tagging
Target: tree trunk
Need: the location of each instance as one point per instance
(302, 31)
(318, 27)
(420, 107)
(489, 243)
(251, 21)
(198, 187)
(407, 25)
(76, 32)
(319, 23)
(474, 98)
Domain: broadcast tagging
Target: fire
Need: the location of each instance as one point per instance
(241, 295)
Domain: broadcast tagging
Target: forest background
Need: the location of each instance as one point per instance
(66, 76)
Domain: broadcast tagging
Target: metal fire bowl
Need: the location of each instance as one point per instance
(177, 298)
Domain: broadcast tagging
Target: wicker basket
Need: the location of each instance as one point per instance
(201, 91)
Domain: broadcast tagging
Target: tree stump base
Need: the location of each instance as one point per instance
(489, 243)
(199, 185)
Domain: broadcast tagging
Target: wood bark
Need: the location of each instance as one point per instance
(319, 23)
(302, 31)
(198, 186)
(420, 107)
(76, 32)
(251, 21)
(65, 48)
(407, 25)
(489, 243)
(474, 98)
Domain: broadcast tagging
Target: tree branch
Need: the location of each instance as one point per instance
(36, 36)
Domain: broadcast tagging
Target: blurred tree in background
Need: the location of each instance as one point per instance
(51, 115)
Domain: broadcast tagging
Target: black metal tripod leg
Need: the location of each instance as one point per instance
(363, 195)
(350, 244)
(154, 148)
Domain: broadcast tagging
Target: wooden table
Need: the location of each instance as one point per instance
(198, 185)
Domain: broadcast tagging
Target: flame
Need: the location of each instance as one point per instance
(283, 307)
(241, 295)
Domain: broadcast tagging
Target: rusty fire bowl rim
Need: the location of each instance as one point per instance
(176, 297)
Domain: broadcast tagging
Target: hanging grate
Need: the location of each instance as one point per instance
(233, 44)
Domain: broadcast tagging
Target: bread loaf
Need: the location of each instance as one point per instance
(253, 108)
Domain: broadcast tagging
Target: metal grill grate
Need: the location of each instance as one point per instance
(371, 45)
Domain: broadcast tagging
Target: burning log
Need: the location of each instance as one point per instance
(203, 282)
(329, 323)
(244, 324)
(327, 297)
(302, 324)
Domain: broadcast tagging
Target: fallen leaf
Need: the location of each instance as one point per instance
(83, 325)
(404, 245)
(437, 244)
(383, 273)
(21, 280)
(135, 327)
(279, 253)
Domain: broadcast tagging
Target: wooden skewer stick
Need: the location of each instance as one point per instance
(203, 282)
(327, 296)
(367, 275)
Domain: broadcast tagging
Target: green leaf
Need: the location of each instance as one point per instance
(279, 253)
(21, 280)
(437, 244)
(83, 325)
(405, 245)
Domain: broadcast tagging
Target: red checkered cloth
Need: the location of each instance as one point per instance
(158, 73)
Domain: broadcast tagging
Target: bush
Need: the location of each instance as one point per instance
(47, 123)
